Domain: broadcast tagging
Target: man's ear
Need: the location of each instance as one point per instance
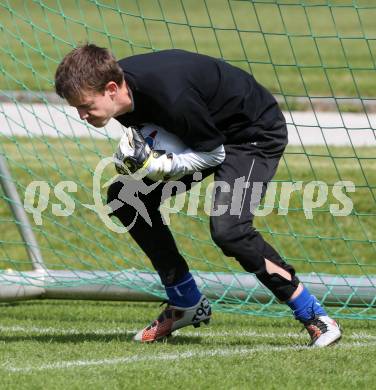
(112, 88)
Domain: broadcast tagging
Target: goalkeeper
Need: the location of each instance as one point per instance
(234, 129)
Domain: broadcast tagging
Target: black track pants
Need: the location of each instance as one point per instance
(240, 182)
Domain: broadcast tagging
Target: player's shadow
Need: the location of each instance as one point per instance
(51, 315)
(69, 338)
(82, 337)
(181, 339)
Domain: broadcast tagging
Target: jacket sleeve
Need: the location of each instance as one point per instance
(190, 161)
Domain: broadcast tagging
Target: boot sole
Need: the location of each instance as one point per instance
(164, 338)
(198, 324)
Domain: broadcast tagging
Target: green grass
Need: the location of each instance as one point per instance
(60, 345)
(293, 48)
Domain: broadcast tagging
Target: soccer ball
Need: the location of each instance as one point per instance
(160, 139)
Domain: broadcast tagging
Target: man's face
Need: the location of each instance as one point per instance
(95, 107)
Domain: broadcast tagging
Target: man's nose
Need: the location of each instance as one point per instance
(82, 113)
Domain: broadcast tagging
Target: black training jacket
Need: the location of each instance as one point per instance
(205, 101)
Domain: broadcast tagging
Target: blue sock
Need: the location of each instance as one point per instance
(184, 293)
(306, 306)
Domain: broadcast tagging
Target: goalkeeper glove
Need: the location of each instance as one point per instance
(134, 156)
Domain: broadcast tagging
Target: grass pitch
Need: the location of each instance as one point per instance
(61, 344)
(294, 48)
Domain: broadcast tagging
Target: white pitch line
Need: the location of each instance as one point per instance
(229, 352)
(299, 335)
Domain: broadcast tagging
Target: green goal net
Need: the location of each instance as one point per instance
(318, 59)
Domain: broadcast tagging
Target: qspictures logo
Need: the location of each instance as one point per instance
(313, 195)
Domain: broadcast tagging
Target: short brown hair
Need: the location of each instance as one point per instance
(87, 67)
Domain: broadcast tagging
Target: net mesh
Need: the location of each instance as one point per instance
(318, 59)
